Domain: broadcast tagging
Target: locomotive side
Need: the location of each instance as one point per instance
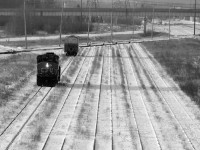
(71, 45)
(48, 69)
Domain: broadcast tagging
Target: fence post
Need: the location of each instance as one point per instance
(112, 23)
(61, 21)
(88, 24)
(152, 30)
(133, 26)
(25, 31)
(195, 5)
(169, 23)
(81, 15)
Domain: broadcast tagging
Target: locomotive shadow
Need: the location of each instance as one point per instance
(49, 84)
(115, 87)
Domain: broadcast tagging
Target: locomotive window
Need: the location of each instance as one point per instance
(48, 58)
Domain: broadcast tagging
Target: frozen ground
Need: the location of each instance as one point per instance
(57, 36)
(109, 97)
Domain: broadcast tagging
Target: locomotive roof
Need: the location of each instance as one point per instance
(49, 53)
(49, 56)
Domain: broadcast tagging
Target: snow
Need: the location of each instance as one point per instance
(51, 37)
(119, 101)
(62, 125)
(186, 123)
(146, 131)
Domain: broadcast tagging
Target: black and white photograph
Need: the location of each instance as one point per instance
(100, 75)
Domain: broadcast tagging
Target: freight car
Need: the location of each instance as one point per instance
(48, 69)
(71, 45)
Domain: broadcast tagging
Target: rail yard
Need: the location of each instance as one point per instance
(99, 75)
(109, 97)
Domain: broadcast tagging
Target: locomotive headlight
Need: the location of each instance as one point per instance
(47, 65)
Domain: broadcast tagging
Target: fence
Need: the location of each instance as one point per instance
(29, 21)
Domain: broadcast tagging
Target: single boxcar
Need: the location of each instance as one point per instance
(48, 69)
(71, 45)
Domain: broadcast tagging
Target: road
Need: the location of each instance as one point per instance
(179, 30)
(110, 97)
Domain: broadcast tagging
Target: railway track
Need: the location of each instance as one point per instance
(63, 126)
(104, 126)
(157, 109)
(125, 129)
(15, 127)
(30, 99)
(82, 129)
(178, 112)
(110, 97)
(41, 146)
(138, 107)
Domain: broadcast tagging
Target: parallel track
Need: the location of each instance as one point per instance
(87, 80)
(118, 105)
(143, 64)
(61, 109)
(46, 94)
(144, 108)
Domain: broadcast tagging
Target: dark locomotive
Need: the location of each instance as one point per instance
(48, 69)
(71, 45)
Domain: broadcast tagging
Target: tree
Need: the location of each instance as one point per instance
(11, 3)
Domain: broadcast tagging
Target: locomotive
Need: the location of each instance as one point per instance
(48, 69)
(71, 45)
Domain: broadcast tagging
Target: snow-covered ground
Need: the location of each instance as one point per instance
(63, 36)
(109, 97)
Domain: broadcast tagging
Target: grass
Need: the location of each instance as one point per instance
(41, 42)
(181, 59)
(15, 70)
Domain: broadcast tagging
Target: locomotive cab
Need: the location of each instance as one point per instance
(48, 69)
(71, 45)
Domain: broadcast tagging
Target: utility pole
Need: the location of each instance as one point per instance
(127, 5)
(134, 6)
(145, 21)
(61, 21)
(25, 31)
(112, 23)
(169, 22)
(81, 14)
(152, 30)
(93, 4)
(88, 23)
(195, 7)
(133, 25)
(121, 4)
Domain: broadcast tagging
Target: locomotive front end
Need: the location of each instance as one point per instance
(48, 69)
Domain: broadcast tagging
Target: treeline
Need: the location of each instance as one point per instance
(124, 21)
(49, 25)
(30, 3)
(11, 3)
(15, 25)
